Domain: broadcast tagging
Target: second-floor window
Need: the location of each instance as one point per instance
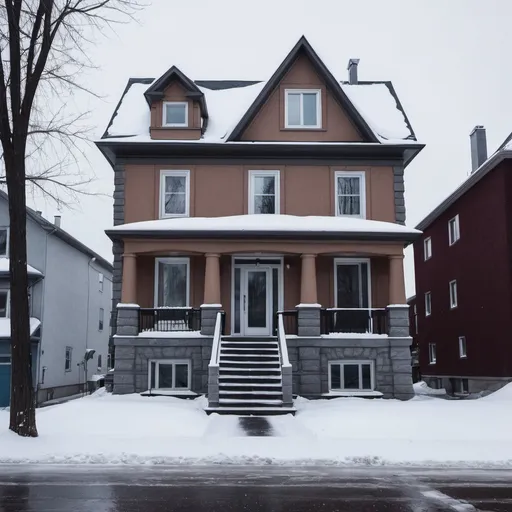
(427, 248)
(100, 280)
(4, 303)
(174, 194)
(4, 241)
(428, 304)
(263, 191)
(67, 363)
(303, 108)
(101, 319)
(453, 294)
(453, 230)
(432, 353)
(175, 114)
(350, 194)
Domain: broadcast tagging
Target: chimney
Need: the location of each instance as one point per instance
(352, 71)
(56, 220)
(478, 147)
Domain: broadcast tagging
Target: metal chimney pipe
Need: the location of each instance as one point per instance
(57, 220)
(352, 71)
(478, 141)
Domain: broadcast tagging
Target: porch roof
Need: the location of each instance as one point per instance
(268, 226)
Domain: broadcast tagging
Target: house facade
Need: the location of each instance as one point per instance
(259, 235)
(70, 291)
(463, 278)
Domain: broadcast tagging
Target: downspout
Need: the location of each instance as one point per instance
(92, 260)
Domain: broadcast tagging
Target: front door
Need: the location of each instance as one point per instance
(256, 303)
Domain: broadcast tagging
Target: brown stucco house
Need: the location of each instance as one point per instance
(259, 235)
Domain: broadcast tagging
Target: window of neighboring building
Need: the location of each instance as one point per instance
(428, 304)
(101, 319)
(436, 383)
(169, 374)
(427, 248)
(453, 230)
(303, 108)
(351, 376)
(264, 191)
(460, 386)
(100, 280)
(67, 364)
(462, 347)
(99, 362)
(174, 193)
(432, 353)
(4, 303)
(172, 282)
(175, 114)
(350, 194)
(4, 241)
(453, 294)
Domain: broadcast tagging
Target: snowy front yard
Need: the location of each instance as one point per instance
(134, 430)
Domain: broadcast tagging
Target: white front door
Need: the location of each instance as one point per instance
(256, 303)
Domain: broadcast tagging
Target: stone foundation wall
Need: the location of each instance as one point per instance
(475, 385)
(391, 357)
(133, 354)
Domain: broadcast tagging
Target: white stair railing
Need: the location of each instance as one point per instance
(213, 367)
(286, 367)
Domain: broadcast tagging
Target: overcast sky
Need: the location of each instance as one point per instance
(448, 60)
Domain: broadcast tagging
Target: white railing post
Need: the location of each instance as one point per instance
(213, 367)
(286, 367)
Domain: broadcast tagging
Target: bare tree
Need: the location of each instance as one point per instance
(42, 53)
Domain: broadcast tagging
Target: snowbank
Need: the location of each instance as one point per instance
(106, 429)
(421, 388)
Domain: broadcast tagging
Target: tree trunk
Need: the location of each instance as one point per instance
(22, 409)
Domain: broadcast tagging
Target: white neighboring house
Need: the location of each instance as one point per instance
(70, 293)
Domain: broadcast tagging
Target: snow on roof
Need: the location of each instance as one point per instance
(379, 108)
(226, 107)
(269, 223)
(5, 264)
(5, 326)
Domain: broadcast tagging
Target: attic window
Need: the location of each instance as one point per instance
(303, 108)
(175, 114)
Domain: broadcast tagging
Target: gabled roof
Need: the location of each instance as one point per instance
(503, 152)
(156, 91)
(303, 47)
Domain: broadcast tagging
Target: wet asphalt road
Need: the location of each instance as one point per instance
(251, 489)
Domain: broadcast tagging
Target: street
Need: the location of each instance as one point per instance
(251, 489)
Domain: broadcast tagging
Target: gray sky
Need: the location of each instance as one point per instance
(450, 62)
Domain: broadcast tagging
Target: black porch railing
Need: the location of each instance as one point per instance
(169, 319)
(352, 320)
(290, 321)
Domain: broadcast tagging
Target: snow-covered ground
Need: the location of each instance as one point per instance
(421, 388)
(134, 430)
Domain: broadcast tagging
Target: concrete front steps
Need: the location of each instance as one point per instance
(250, 378)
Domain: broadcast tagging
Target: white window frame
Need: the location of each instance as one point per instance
(427, 248)
(277, 188)
(432, 353)
(362, 194)
(428, 303)
(456, 230)
(101, 279)
(352, 261)
(359, 362)
(165, 124)
(301, 126)
(453, 294)
(174, 362)
(70, 351)
(6, 254)
(463, 348)
(177, 261)
(177, 173)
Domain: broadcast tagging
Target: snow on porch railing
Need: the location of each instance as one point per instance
(353, 320)
(286, 367)
(213, 367)
(214, 359)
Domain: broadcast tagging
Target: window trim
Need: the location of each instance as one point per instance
(352, 261)
(456, 230)
(463, 354)
(277, 187)
(427, 248)
(359, 362)
(8, 304)
(178, 173)
(432, 360)
(174, 362)
(101, 279)
(70, 350)
(318, 124)
(453, 303)
(428, 311)
(6, 255)
(362, 194)
(164, 114)
(171, 260)
(101, 319)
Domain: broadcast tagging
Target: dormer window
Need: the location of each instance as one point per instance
(303, 108)
(175, 114)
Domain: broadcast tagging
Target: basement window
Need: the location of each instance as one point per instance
(169, 374)
(351, 376)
